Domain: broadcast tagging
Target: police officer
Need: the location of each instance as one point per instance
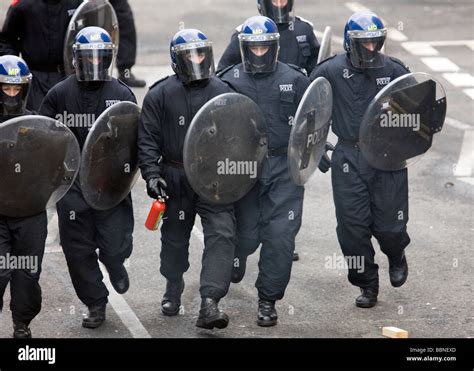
(82, 229)
(20, 237)
(278, 89)
(168, 110)
(127, 52)
(36, 29)
(368, 202)
(299, 45)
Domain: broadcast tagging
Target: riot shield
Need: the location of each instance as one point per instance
(310, 131)
(99, 13)
(325, 49)
(398, 127)
(109, 166)
(39, 162)
(224, 147)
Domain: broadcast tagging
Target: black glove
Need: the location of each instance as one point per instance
(325, 163)
(156, 188)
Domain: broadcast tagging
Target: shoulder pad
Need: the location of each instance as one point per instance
(305, 21)
(328, 59)
(159, 81)
(239, 27)
(122, 83)
(222, 72)
(298, 68)
(398, 61)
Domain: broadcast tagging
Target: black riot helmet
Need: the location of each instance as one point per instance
(15, 83)
(281, 11)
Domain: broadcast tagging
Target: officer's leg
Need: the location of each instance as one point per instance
(282, 209)
(77, 234)
(218, 223)
(247, 214)
(5, 248)
(352, 202)
(28, 241)
(390, 211)
(128, 44)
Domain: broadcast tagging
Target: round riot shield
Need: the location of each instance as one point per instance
(325, 49)
(99, 13)
(224, 147)
(398, 127)
(310, 131)
(39, 162)
(109, 166)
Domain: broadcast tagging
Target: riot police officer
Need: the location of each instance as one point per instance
(278, 89)
(298, 43)
(168, 110)
(35, 29)
(369, 202)
(82, 229)
(20, 237)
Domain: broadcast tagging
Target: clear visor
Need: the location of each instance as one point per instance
(94, 62)
(281, 11)
(259, 56)
(366, 47)
(194, 61)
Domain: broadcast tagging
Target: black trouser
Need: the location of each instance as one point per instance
(23, 237)
(271, 214)
(368, 202)
(128, 36)
(40, 85)
(83, 230)
(218, 224)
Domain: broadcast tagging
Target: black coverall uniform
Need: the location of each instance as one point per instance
(168, 110)
(36, 29)
(22, 237)
(271, 213)
(298, 46)
(83, 230)
(369, 202)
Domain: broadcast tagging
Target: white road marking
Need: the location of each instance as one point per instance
(396, 35)
(123, 310)
(469, 92)
(440, 64)
(458, 124)
(460, 79)
(420, 48)
(465, 164)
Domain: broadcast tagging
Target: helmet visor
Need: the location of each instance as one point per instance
(94, 62)
(259, 52)
(281, 11)
(366, 47)
(194, 61)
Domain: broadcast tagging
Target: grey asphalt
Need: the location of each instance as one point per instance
(437, 300)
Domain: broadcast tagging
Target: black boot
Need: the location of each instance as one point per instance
(398, 270)
(172, 298)
(21, 331)
(119, 279)
(238, 272)
(267, 314)
(95, 318)
(210, 316)
(368, 299)
(296, 256)
(128, 78)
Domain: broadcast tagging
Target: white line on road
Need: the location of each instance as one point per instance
(465, 163)
(460, 79)
(440, 64)
(123, 310)
(420, 48)
(458, 124)
(469, 92)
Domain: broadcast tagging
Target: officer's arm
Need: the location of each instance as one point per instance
(49, 106)
(231, 55)
(302, 85)
(318, 71)
(149, 140)
(10, 36)
(313, 59)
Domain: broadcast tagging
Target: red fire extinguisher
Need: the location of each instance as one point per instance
(155, 215)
